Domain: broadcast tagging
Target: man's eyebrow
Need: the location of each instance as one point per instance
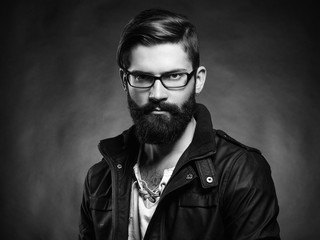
(178, 70)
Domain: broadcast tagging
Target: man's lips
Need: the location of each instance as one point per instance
(158, 110)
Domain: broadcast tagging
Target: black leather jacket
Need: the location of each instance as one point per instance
(220, 189)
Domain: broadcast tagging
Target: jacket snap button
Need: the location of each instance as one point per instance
(209, 179)
(119, 166)
(189, 176)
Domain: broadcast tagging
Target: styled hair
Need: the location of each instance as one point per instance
(158, 26)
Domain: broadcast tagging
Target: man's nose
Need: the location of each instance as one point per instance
(158, 92)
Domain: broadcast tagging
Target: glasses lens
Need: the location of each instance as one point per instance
(175, 80)
(140, 80)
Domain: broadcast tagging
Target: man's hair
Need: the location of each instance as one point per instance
(158, 26)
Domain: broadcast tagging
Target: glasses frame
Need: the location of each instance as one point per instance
(189, 76)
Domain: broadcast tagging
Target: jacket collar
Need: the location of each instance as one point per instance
(204, 137)
(203, 142)
(115, 148)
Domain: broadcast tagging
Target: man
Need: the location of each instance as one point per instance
(171, 175)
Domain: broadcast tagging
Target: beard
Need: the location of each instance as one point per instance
(161, 128)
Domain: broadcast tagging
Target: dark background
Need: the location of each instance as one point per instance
(61, 94)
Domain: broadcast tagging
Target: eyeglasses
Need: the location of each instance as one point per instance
(169, 80)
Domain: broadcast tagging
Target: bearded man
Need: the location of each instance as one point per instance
(171, 175)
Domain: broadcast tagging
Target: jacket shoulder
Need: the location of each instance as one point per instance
(231, 140)
(246, 187)
(98, 167)
(98, 179)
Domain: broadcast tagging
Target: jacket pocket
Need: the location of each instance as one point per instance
(101, 213)
(196, 200)
(100, 204)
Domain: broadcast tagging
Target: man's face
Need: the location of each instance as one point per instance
(160, 114)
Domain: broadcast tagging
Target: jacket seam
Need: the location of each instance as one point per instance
(224, 184)
(114, 193)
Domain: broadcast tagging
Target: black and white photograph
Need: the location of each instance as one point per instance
(160, 120)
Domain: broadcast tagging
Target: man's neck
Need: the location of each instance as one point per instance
(166, 155)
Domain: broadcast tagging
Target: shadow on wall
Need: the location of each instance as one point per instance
(62, 95)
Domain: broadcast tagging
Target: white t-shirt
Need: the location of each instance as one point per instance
(143, 203)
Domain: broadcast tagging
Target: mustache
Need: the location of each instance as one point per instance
(162, 106)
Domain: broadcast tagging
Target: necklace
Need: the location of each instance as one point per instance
(146, 193)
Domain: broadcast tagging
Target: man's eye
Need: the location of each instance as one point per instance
(175, 76)
(143, 77)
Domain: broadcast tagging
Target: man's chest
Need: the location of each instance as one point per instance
(152, 176)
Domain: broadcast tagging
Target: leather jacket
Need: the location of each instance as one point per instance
(220, 189)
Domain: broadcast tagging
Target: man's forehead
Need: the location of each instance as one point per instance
(159, 56)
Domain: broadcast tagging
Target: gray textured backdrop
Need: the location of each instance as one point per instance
(61, 95)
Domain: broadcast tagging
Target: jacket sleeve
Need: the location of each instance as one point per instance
(250, 206)
(86, 229)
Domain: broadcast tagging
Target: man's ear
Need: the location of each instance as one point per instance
(123, 80)
(200, 78)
